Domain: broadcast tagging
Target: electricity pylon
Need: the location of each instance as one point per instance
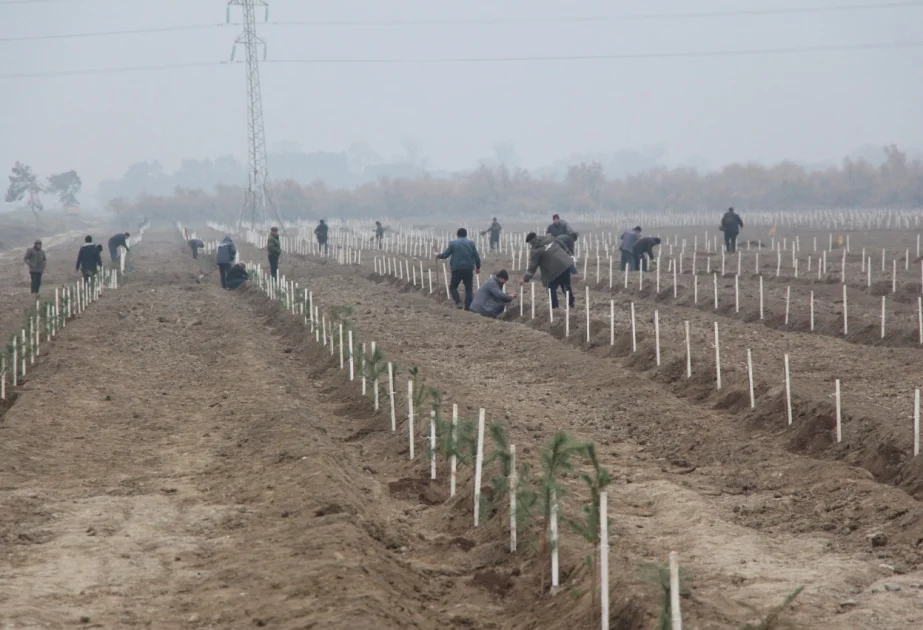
(258, 202)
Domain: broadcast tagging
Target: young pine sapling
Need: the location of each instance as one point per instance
(596, 482)
(556, 460)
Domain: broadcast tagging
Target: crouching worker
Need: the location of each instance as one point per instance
(236, 277)
(195, 245)
(490, 300)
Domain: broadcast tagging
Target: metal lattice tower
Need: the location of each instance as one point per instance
(258, 203)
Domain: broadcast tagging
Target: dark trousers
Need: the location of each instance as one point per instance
(642, 262)
(114, 253)
(223, 269)
(494, 244)
(459, 276)
(323, 246)
(629, 260)
(562, 282)
(36, 280)
(730, 242)
(274, 266)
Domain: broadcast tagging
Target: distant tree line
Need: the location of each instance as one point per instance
(501, 191)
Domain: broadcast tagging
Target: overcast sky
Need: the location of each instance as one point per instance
(807, 106)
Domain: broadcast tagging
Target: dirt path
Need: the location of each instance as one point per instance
(163, 468)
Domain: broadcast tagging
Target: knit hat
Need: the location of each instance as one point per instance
(503, 275)
(530, 237)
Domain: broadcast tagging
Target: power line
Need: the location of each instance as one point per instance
(907, 4)
(615, 57)
(629, 17)
(69, 73)
(137, 31)
(454, 60)
(27, 1)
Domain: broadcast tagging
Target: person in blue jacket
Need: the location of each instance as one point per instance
(227, 252)
(465, 263)
(490, 300)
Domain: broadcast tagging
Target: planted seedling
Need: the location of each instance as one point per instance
(375, 367)
(556, 460)
(773, 620)
(596, 482)
(660, 574)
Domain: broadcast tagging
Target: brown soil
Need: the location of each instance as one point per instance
(187, 457)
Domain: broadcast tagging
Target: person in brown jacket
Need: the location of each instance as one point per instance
(547, 254)
(35, 260)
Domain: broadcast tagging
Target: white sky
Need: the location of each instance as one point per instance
(802, 106)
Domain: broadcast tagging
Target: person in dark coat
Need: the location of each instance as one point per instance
(627, 248)
(569, 243)
(119, 240)
(321, 233)
(490, 300)
(494, 231)
(89, 259)
(237, 276)
(731, 225)
(225, 256)
(555, 263)
(558, 227)
(379, 233)
(35, 260)
(644, 249)
(274, 249)
(195, 245)
(465, 262)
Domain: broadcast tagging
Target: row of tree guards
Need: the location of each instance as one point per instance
(418, 243)
(404, 269)
(45, 319)
(716, 345)
(337, 335)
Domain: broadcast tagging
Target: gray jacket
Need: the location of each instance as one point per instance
(567, 242)
(226, 251)
(490, 299)
(629, 238)
(548, 255)
(464, 255)
(559, 228)
(35, 260)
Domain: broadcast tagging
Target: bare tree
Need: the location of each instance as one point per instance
(22, 182)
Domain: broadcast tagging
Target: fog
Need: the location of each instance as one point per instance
(811, 107)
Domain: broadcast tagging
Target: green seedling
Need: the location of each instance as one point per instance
(588, 528)
(419, 387)
(375, 366)
(556, 460)
(773, 619)
(660, 575)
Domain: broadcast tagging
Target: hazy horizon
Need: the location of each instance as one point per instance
(814, 107)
